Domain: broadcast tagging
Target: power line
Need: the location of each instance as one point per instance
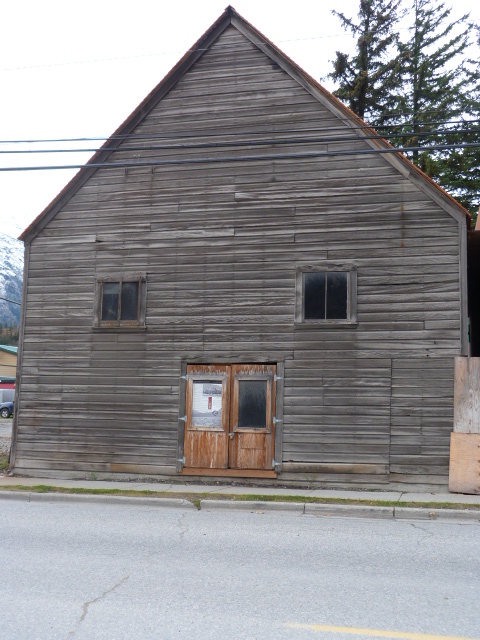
(12, 301)
(242, 143)
(178, 134)
(226, 47)
(273, 156)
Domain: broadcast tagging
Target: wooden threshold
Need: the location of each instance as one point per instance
(229, 473)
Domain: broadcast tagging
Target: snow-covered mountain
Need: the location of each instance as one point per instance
(11, 276)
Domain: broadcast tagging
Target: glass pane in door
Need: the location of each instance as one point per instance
(207, 404)
(252, 404)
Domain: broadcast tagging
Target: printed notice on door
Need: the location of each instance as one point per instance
(207, 404)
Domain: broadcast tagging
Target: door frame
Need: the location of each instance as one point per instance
(277, 412)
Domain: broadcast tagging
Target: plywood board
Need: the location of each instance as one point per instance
(464, 463)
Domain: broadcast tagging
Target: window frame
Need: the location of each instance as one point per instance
(326, 267)
(139, 323)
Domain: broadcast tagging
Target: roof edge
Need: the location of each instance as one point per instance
(146, 105)
(231, 16)
(336, 104)
(8, 348)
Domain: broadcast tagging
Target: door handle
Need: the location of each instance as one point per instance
(231, 435)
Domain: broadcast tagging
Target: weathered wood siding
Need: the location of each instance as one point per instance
(466, 415)
(220, 242)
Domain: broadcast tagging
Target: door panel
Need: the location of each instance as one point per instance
(207, 423)
(251, 416)
(251, 451)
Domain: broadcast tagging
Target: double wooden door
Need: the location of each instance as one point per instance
(230, 416)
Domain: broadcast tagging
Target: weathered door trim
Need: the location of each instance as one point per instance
(277, 410)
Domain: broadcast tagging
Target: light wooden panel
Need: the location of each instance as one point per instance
(465, 463)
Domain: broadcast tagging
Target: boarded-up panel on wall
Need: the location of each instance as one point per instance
(467, 395)
(464, 463)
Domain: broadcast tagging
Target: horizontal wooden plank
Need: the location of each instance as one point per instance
(374, 469)
(229, 473)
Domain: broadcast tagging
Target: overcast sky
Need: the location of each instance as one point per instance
(74, 70)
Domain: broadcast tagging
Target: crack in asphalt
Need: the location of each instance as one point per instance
(428, 534)
(183, 528)
(87, 604)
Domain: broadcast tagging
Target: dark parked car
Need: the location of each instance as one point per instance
(6, 409)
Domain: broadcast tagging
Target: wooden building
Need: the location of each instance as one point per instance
(245, 281)
(8, 360)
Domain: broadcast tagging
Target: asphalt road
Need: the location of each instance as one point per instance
(87, 570)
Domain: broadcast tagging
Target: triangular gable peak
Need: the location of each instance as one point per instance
(231, 18)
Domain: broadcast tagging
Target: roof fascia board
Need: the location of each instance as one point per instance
(361, 128)
(114, 141)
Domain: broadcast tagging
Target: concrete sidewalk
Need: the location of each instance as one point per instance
(338, 502)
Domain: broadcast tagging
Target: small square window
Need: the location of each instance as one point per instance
(326, 294)
(120, 302)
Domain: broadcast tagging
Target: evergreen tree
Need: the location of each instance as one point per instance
(422, 92)
(369, 81)
(441, 99)
(437, 77)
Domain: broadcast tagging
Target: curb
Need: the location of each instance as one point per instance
(32, 496)
(445, 515)
(345, 511)
(349, 510)
(249, 505)
(299, 508)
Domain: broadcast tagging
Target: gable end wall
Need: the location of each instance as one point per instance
(220, 231)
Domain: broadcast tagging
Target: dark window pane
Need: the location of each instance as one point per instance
(129, 301)
(110, 293)
(252, 404)
(314, 296)
(337, 295)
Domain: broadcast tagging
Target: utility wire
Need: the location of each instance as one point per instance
(273, 156)
(12, 301)
(243, 143)
(179, 134)
(225, 48)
